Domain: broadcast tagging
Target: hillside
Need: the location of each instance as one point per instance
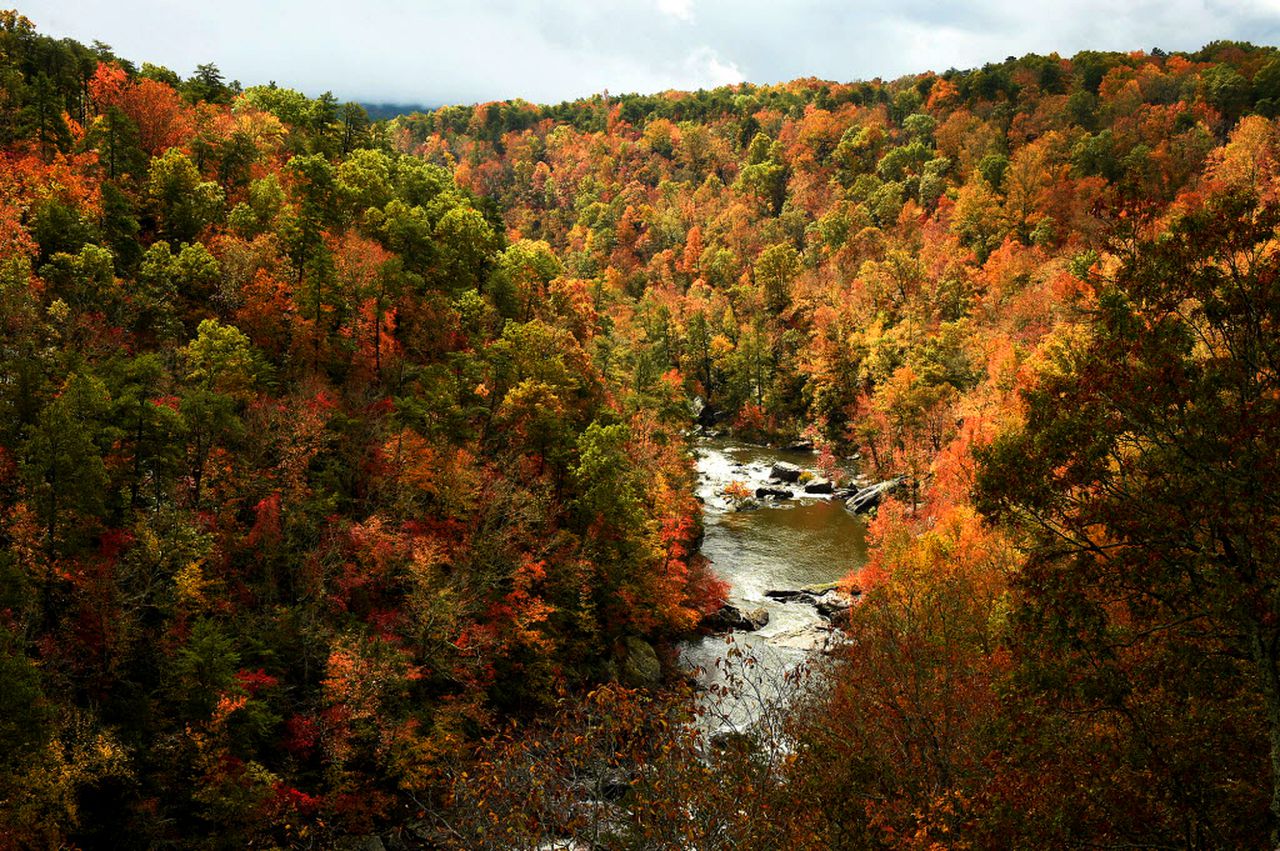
(346, 479)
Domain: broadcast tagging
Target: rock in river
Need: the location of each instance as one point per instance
(833, 604)
(819, 486)
(729, 618)
(776, 493)
(784, 472)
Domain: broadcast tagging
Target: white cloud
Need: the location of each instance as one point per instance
(1258, 7)
(709, 70)
(681, 10)
(438, 51)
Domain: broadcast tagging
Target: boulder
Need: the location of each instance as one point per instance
(639, 666)
(723, 619)
(801, 445)
(729, 618)
(757, 618)
(870, 497)
(784, 472)
(819, 486)
(775, 493)
(789, 596)
(746, 505)
(833, 604)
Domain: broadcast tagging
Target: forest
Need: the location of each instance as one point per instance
(346, 487)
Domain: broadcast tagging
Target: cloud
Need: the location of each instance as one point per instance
(438, 51)
(706, 66)
(681, 10)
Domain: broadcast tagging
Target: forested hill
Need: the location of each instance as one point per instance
(303, 491)
(345, 464)
(747, 214)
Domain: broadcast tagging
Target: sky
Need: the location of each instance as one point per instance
(465, 51)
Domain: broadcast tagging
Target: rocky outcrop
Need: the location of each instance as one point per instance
(870, 497)
(704, 413)
(639, 666)
(819, 486)
(729, 618)
(774, 493)
(804, 444)
(833, 604)
(783, 471)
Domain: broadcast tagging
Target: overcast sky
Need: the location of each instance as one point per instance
(462, 51)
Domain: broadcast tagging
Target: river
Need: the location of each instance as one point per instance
(808, 540)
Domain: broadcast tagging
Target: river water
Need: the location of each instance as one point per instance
(787, 545)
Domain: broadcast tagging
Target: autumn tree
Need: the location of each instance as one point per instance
(1134, 572)
(921, 682)
(184, 203)
(63, 460)
(775, 269)
(218, 370)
